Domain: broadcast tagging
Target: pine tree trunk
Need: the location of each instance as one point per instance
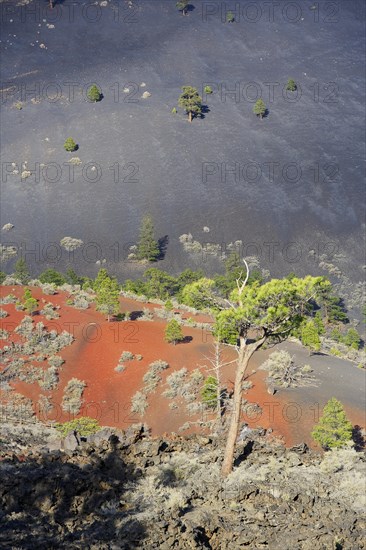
(190, 116)
(245, 353)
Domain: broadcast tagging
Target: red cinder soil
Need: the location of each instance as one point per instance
(95, 353)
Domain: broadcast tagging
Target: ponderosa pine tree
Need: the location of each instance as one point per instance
(70, 145)
(333, 430)
(94, 94)
(173, 332)
(310, 336)
(30, 304)
(21, 271)
(191, 102)
(182, 6)
(291, 85)
(252, 316)
(259, 108)
(107, 300)
(147, 248)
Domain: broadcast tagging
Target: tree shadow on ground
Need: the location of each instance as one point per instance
(186, 340)
(163, 246)
(65, 502)
(134, 315)
(244, 454)
(358, 438)
(204, 110)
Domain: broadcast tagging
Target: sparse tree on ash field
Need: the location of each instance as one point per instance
(70, 145)
(191, 102)
(21, 271)
(259, 108)
(94, 94)
(147, 248)
(182, 6)
(291, 85)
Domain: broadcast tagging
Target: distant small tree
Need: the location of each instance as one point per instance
(70, 145)
(147, 248)
(230, 18)
(52, 276)
(169, 305)
(21, 271)
(107, 300)
(310, 336)
(191, 102)
(94, 94)
(352, 339)
(30, 304)
(207, 90)
(182, 6)
(333, 430)
(209, 392)
(259, 108)
(73, 278)
(173, 332)
(291, 85)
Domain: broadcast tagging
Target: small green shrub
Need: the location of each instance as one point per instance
(207, 90)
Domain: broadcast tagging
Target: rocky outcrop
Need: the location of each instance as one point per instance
(127, 490)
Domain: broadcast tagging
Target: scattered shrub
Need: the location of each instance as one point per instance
(120, 368)
(139, 403)
(84, 426)
(126, 356)
(72, 398)
(49, 380)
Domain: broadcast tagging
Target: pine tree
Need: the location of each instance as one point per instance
(209, 392)
(352, 339)
(333, 430)
(94, 94)
(21, 271)
(191, 101)
(147, 248)
(100, 279)
(70, 145)
(310, 336)
(259, 108)
(107, 300)
(30, 304)
(173, 332)
(291, 85)
(182, 6)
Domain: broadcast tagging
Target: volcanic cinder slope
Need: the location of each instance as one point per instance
(298, 172)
